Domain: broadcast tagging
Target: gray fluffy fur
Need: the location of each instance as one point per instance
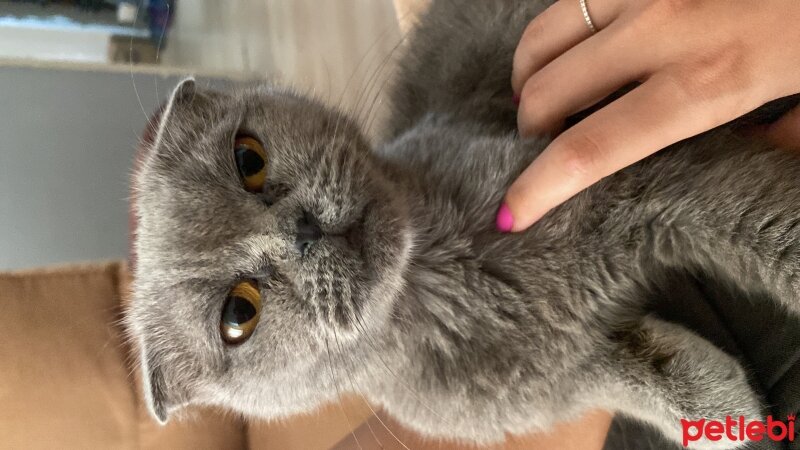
(412, 298)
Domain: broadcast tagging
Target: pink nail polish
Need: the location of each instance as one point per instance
(516, 98)
(504, 221)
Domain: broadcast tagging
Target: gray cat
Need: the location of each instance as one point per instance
(282, 260)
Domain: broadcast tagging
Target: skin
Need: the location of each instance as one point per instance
(275, 114)
(531, 196)
(540, 188)
(593, 429)
(542, 66)
(594, 425)
(693, 78)
(524, 196)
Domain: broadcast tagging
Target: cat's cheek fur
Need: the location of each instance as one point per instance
(455, 329)
(199, 231)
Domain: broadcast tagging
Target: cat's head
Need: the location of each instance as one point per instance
(265, 230)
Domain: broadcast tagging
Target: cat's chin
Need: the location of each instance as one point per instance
(354, 274)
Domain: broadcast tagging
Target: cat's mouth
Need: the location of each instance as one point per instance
(365, 242)
(353, 265)
(354, 234)
(351, 237)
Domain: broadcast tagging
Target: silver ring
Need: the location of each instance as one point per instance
(587, 17)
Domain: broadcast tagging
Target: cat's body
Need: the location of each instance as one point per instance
(455, 329)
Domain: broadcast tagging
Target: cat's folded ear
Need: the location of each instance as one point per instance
(184, 91)
(183, 94)
(155, 393)
(160, 397)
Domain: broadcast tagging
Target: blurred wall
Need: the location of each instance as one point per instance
(54, 44)
(55, 32)
(67, 136)
(66, 144)
(339, 50)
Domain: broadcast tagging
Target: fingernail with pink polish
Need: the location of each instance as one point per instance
(504, 221)
(516, 98)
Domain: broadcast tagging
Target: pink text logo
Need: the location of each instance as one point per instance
(737, 430)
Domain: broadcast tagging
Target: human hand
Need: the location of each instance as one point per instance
(702, 63)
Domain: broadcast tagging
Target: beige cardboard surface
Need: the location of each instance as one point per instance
(66, 382)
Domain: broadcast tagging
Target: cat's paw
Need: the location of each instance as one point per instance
(698, 392)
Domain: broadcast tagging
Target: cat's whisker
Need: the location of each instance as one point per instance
(401, 40)
(388, 369)
(372, 80)
(366, 402)
(158, 50)
(372, 113)
(379, 69)
(355, 390)
(130, 64)
(328, 87)
(339, 395)
(356, 70)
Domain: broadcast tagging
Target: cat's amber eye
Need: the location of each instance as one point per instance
(241, 312)
(251, 162)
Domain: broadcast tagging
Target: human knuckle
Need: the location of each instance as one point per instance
(535, 86)
(724, 68)
(580, 157)
(534, 106)
(712, 76)
(534, 31)
(678, 86)
(673, 8)
(526, 55)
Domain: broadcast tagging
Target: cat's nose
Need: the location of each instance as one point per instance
(308, 233)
